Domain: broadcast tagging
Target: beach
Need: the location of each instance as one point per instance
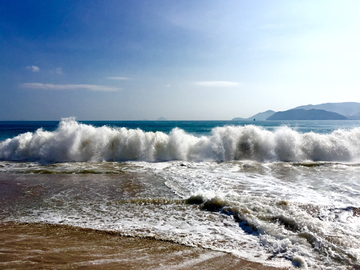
(81, 195)
(44, 246)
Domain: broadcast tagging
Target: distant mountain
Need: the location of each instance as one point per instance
(262, 116)
(357, 115)
(349, 109)
(259, 116)
(302, 114)
(239, 119)
(161, 119)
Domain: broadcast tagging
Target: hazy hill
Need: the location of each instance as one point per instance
(161, 119)
(239, 119)
(302, 114)
(349, 109)
(259, 116)
(262, 115)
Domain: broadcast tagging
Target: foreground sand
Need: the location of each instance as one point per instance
(39, 246)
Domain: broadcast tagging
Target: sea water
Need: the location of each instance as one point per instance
(280, 193)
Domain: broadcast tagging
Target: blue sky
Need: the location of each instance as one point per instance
(183, 60)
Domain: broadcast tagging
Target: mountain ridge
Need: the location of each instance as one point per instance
(350, 110)
(302, 114)
(259, 116)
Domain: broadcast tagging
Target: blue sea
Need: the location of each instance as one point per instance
(282, 193)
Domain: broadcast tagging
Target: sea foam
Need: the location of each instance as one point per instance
(73, 141)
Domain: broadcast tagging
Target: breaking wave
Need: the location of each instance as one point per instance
(73, 141)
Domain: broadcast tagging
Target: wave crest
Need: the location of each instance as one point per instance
(73, 141)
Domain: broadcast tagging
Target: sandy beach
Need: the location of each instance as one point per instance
(43, 246)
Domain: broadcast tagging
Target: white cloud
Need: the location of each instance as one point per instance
(88, 87)
(217, 84)
(33, 68)
(168, 85)
(118, 78)
(59, 71)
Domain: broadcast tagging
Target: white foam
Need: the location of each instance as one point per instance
(299, 215)
(73, 141)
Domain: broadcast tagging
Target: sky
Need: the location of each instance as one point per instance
(182, 60)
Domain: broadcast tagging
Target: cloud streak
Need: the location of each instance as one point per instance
(33, 68)
(217, 84)
(87, 87)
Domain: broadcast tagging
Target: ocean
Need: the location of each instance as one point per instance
(280, 193)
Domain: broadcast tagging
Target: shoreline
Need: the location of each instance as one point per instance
(38, 245)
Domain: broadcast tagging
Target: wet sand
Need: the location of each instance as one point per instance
(43, 246)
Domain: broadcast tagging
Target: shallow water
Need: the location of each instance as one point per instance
(279, 214)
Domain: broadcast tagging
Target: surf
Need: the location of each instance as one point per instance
(77, 142)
